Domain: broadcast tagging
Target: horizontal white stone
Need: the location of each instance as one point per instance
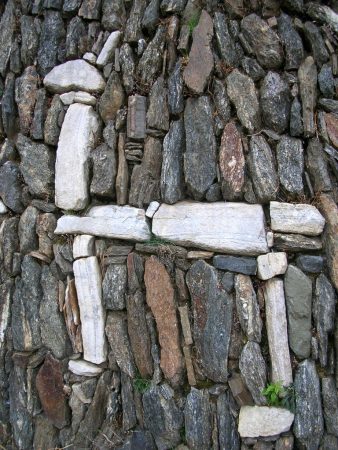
(296, 218)
(78, 97)
(108, 51)
(3, 208)
(77, 138)
(235, 228)
(152, 208)
(255, 421)
(276, 325)
(83, 246)
(199, 254)
(110, 221)
(76, 75)
(88, 283)
(271, 264)
(84, 368)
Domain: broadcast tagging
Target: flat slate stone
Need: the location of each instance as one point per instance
(111, 221)
(310, 263)
(255, 421)
(290, 164)
(253, 371)
(246, 266)
(76, 75)
(296, 242)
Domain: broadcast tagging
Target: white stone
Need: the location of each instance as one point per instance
(296, 218)
(78, 97)
(90, 57)
(110, 221)
(235, 228)
(255, 421)
(84, 368)
(76, 75)
(3, 208)
(270, 239)
(108, 52)
(83, 246)
(152, 208)
(93, 316)
(77, 138)
(271, 264)
(276, 325)
(199, 254)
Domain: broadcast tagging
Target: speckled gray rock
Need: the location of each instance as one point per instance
(151, 61)
(200, 154)
(175, 90)
(275, 102)
(104, 170)
(326, 81)
(316, 41)
(247, 308)
(30, 40)
(290, 164)
(9, 244)
(112, 98)
(71, 6)
(296, 120)
(228, 436)
(253, 370)
(292, 42)
(8, 107)
(52, 124)
(262, 169)
(330, 404)
(198, 420)
(317, 166)
(76, 38)
(308, 427)
(40, 113)
(133, 27)
(310, 263)
(296, 242)
(247, 266)
(114, 287)
(27, 230)
(113, 14)
(307, 75)
(11, 187)
(225, 41)
(7, 27)
(158, 113)
(252, 68)
(173, 6)
(127, 64)
(221, 99)
(151, 15)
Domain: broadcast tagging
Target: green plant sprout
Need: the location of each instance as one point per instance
(278, 395)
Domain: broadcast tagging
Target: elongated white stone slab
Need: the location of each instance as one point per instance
(111, 221)
(77, 75)
(80, 367)
(277, 331)
(296, 218)
(255, 421)
(235, 228)
(83, 246)
(77, 138)
(93, 316)
(107, 53)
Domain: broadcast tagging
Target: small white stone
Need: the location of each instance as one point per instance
(67, 98)
(78, 97)
(90, 57)
(271, 264)
(255, 421)
(269, 239)
(85, 368)
(152, 208)
(296, 218)
(3, 208)
(196, 254)
(108, 52)
(83, 246)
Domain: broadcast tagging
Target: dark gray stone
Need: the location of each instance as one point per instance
(296, 242)
(294, 6)
(225, 42)
(326, 81)
(175, 90)
(104, 171)
(172, 177)
(162, 416)
(27, 230)
(247, 266)
(329, 105)
(139, 439)
(307, 76)
(45, 434)
(11, 186)
(52, 35)
(275, 102)
(247, 308)
(262, 170)
(317, 166)
(26, 304)
(158, 112)
(317, 44)
(212, 312)
(52, 4)
(200, 155)
(8, 106)
(292, 42)
(64, 257)
(290, 161)
(221, 100)
(214, 193)
(324, 313)
(310, 263)
(76, 38)
(7, 152)
(127, 63)
(253, 370)
(129, 419)
(133, 27)
(29, 40)
(113, 14)
(90, 9)
(228, 436)
(52, 124)
(198, 420)
(9, 243)
(150, 63)
(151, 16)
(37, 166)
(252, 68)
(298, 295)
(114, 287)
(25, 97)
(296, 121)
(7, 29)
(263, 40)
(71, 6)
(308, 425)
(173, 6)
(329, 442)
(40, 114)
(330, 404)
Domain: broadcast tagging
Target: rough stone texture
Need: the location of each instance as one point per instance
(27, 230)
(253, 371)
(332, 128)
(330, 404)
(314, 38)
(71, 170)
(194, 224)
(296, 242)
(290, 164)
(7, 26)
(255, 421)
(10, 186)
(151, 60)
(113, 14)
(296, 218)
(310, 263)
(89, 291)
(52, 123)
(247, 308)
(160, 298)
(308, 427)
(225, 41)
(25, 97)
(175, 90)
(271, 264)
(317, 166)
(114, 286)
(292, 42)
(277, 331)
(136, 123)
(212, 312)
(228, 436)
(201, 61)
(40, 113)
(298, 296)
(200, 153)
(247, 266)
(158, 113)
(221, 100)
(104, 171)
(198, 421)
(307, 75)
(112, 99)
(275, 102)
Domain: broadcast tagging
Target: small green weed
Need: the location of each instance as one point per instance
(141, 384)
(154, 240)
(193, 22)
(278, 395)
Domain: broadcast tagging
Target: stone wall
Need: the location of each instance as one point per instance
(168, 223)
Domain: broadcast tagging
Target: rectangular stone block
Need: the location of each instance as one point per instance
(136, 121)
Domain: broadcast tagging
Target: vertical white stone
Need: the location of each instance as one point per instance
(276, 324)
(83, 246)
(77, 138)
(88, 283)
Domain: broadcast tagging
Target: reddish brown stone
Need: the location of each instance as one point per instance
(332, 128)
(49, 384)
(160, 298)
(232, 163)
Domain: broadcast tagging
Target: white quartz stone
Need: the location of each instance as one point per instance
(111, 221)
(108, 52)
(3, 208)
(271, 264)
(78, 97)
(76, 75)
(152, 208)
(235, 228)
(92, 314)
(276, 325)
(296, 218)
(255, 421)
(84, 368)
(77, 138)
(90, 57)
(83, 246)
(269, 238)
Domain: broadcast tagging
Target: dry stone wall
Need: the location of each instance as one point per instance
(168, 224)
